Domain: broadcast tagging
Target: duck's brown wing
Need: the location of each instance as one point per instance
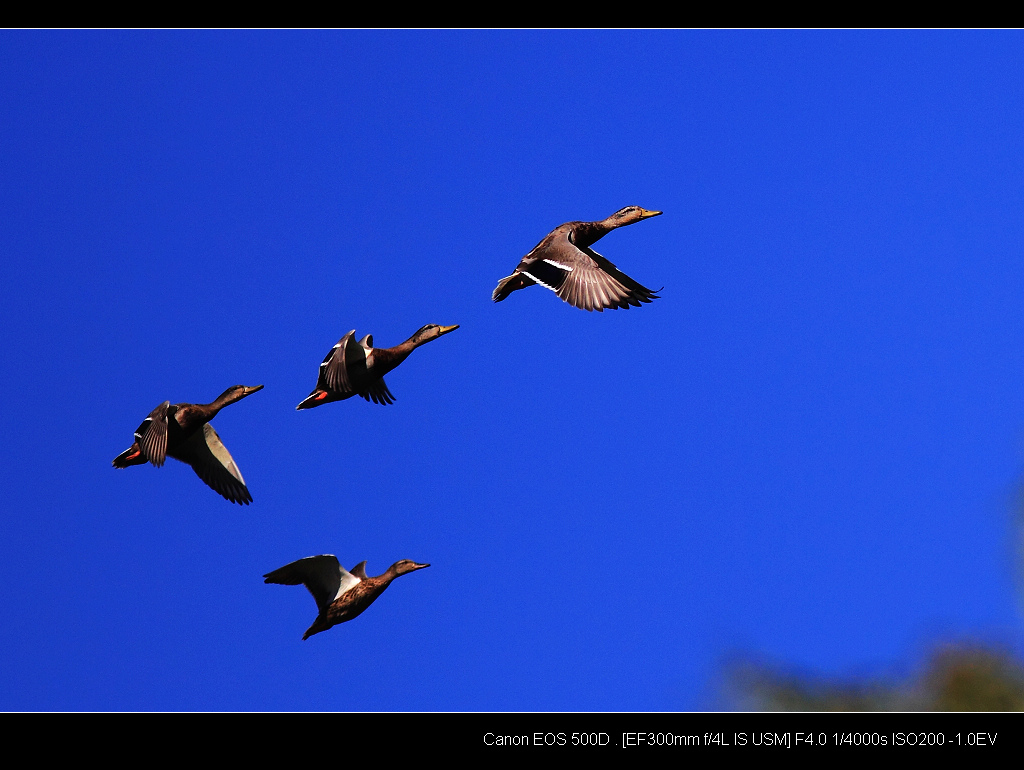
(152, 435)
(377, 392)
(212, 462)
(584, 278)
(344, 369)
(635, 292)
(323, 576)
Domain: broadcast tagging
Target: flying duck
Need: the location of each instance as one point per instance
(340, 595)
(183, 431)
(357, 368)
(565, 263)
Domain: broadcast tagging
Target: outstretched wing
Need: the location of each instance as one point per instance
(345, 366)
(152, 435)
(584, 278)
(633, 292)
(378, 392)
(212, 462)
(323, 575)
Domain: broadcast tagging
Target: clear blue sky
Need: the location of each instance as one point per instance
(807, 451)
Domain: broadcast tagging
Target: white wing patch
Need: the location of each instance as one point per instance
(568, 268)
(220, 452)
(366, 343)
(538, 280)
(348, 582)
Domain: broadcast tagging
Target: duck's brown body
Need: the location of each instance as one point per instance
(356, 368)
(340, 595)
(564, 262)
(182, 431)
(350, 605)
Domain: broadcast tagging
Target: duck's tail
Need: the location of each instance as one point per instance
(315, 398)
(131, 456)
(508, 285)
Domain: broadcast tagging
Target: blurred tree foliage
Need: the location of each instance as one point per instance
(966, 676)
(956, 677)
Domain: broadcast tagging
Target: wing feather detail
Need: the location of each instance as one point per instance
(596, 284)
(346, 365)
(212, 462)
(377, 391)
(152, 435)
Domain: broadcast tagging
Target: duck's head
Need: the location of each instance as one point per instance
(629, 215)
(236, 393)
(431, 332)
(405, 566)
